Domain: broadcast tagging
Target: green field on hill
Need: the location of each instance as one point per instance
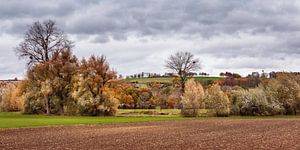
(168, 79)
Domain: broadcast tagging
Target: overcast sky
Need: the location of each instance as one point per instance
(138, 36)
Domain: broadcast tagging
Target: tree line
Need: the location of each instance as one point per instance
(57, 82)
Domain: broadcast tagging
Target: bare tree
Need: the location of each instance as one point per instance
(183, 63)
(41, 41)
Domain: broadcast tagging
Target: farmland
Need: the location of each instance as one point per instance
(149, 75)
(214, 133)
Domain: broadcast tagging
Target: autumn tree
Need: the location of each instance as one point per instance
(37, 92)
(183, 63)
(216, 99)
(120, 89)
(285, 88)
(51, 83)
(63, 67)
(192, 98)
(10, 97)
(94, 98)
(41, 41)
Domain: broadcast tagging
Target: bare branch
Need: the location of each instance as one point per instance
(183, 63)
(41, 41)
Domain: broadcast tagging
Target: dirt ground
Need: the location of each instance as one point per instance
(189, 134)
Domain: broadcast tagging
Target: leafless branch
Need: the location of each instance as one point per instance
(41, 41)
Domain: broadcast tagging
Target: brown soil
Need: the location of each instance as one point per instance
(189, 134)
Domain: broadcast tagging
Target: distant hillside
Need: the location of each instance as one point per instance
(168, 79)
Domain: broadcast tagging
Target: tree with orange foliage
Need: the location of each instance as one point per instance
(90, 89)
(51, 81)
(120, 90)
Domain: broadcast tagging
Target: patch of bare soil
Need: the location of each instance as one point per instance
(189, 134)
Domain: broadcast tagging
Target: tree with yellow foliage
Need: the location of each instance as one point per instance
(192, 98)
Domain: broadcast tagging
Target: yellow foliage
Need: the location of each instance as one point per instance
(216, 99)
(11, 98)
(192, 98)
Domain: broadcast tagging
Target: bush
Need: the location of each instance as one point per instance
(104, 105)
(10, 98)
(237, 100)
(92, 101)
(257, 104)
(217, 100)
(192, 98)
(285, 89)
(34, 102)
(174, 100)
(254, 102)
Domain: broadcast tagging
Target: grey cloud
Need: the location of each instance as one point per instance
(235, 29)
(100, 39)
(119, 19)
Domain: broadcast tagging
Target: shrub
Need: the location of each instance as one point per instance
(144, 100)
(174, 100)
(192, 98)
(217, 100)
(237, 100)
(10, 98)
(34, 101)
(257, 104)
(254, 102)
(285, 90)
(273, 97)
(92, 101)
(101, 105)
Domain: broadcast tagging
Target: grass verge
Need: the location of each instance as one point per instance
(18, 120)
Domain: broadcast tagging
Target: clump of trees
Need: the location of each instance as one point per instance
(64, 86)
(56, 82)
(278, 96)
(154, 95)
(254, 102)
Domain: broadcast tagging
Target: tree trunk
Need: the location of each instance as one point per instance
(47, 105)
(61, 103)
(61, 111)
(182, 85)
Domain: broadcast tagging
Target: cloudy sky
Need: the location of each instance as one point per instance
(227, 35)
